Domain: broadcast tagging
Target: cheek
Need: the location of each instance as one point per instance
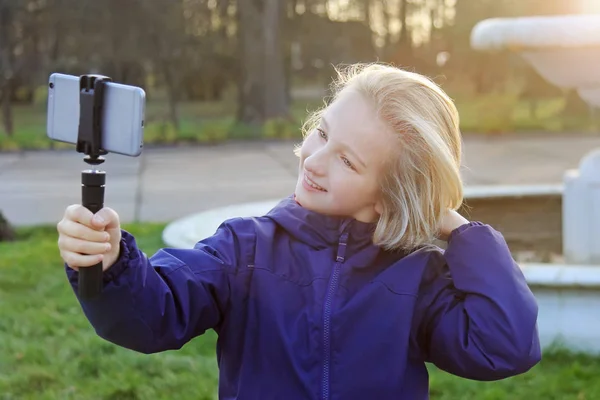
(345, 184)
(364, 187)
(309, 146)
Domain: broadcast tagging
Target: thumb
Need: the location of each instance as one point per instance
(106, 218)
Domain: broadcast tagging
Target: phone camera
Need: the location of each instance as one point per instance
(51, 85)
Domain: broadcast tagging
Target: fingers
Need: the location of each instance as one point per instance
(106, 218)
(81, 253)
(78, 230)
(75, 245)
(84, 238)
(75, 261)
(79, 213)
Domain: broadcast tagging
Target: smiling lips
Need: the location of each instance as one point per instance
(310, 185)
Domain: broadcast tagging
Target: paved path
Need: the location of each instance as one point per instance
(168, 183)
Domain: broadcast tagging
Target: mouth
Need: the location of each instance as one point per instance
(312, 184)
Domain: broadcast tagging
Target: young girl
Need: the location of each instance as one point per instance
(338, 292)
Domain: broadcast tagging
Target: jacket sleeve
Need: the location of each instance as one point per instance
(160, 303)
(476, 316)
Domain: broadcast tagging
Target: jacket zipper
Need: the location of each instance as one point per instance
(333, 283)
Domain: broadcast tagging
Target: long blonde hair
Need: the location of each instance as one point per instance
(422, 179)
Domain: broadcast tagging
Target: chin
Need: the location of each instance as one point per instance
(302, 199)
(314, 205)
(307, 201)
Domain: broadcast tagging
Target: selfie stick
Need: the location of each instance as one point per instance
(89, 142)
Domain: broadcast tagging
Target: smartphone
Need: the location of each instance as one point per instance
(122, 119)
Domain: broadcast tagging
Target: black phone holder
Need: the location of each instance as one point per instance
(89, 142)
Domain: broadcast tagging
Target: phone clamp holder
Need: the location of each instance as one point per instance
(89, 142)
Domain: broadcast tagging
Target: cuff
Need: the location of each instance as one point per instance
(127, 254)
(456, 232)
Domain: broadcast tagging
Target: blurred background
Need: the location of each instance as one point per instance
(233, 73)
(220, 69)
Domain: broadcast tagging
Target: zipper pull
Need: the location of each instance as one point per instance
(341, 253)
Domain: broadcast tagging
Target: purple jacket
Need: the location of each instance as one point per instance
(306, 307)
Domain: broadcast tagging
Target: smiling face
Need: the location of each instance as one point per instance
(343, 159)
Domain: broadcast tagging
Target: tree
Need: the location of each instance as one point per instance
(7, 232)
(262, 85)
(7, 69)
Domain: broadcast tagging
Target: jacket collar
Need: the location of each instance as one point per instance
(319, 230)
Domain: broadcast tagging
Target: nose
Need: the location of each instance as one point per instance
(315, 163)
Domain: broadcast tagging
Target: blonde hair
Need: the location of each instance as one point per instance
(422, 179)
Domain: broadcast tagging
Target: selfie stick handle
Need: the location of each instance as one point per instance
(89, 142)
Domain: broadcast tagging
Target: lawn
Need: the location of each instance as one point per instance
(206, 122)
(49, 351)
(214, 121)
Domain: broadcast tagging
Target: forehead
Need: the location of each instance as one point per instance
(353, 121)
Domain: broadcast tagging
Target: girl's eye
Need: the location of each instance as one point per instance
(322, 133)
(347, 162)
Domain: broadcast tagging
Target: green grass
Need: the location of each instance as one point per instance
(49, 351)
(211, 122)
(198, 123)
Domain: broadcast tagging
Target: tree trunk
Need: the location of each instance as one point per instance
(386, 19)
(263, 79)
(276, 96)
(172, 96)
(7, 232)
(404, 26)
(172, 84)
(7, 117)
(6, 70)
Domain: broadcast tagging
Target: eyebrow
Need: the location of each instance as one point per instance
(344, 145)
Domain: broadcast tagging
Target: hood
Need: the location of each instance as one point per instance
(319, 230)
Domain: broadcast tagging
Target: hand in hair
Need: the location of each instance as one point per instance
(450, 222)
